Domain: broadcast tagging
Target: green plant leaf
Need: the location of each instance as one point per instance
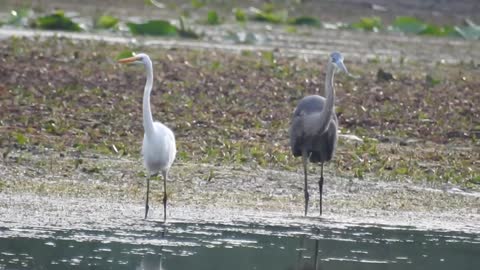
(304, 20)
(401, 170)
(437, 31)
(124, 54)
(240, 15)
(21, 139)
(106, 22)
(212, 18)
(198, 3)
(153, 28)
(409, 24)
(57, 21)
(270, 16)
(368, 24)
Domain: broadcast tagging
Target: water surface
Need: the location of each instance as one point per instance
(238, 246)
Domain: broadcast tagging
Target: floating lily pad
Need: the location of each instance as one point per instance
(368, 24)
(437, 31)
(153, 28)
(106, 22)
(57, 21)
(409, 24)
(305, 20)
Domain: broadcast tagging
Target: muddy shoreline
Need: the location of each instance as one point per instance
(114, 198)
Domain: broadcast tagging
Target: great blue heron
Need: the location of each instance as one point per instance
(313, 131)
(158, 147)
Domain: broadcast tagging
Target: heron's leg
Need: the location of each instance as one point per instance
(146, 202)
(305, 161)
(164, 195)
(315, 262)
(320, 187)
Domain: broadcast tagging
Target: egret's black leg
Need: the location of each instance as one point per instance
(305, 161)
(164, 196)
(320, 187)
(146, 202)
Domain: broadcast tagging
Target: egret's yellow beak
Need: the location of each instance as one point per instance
(129, 59)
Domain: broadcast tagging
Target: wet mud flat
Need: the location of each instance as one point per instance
(115, 197)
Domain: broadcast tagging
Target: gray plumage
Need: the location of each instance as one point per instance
(313, 130)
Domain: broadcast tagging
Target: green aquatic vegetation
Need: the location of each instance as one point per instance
(240, 15)
(368, 24)
(213, 18)
(409, 24)
(268, 13)
(416, 26)
(153, 28)
(305, 20)
(217, 108)
(106, 22)
(198, 3)
(21, 139)
(162, 28)
(57, 21)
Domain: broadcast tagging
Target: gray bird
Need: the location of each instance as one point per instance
(313, 130)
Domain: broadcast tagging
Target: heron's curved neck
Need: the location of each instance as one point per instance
(328, 109)
(147, 113)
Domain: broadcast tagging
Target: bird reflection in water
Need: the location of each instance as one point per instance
(154, 261)
(307, 257)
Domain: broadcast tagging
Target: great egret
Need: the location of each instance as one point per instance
(313, 130)
(158, 147)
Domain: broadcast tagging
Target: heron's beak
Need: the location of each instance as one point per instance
(128, 59)
(342, 67)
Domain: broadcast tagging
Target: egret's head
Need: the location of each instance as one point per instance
(138, 58)
(337, 60)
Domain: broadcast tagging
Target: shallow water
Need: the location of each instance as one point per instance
(241, 246)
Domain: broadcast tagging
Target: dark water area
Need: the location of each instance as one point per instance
(246, 246)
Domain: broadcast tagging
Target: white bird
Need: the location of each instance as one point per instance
(158, 147)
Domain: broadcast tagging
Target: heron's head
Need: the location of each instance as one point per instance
(140, 58)
(336, 59)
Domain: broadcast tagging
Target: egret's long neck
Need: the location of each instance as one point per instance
(329, 107)
(147, 113)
